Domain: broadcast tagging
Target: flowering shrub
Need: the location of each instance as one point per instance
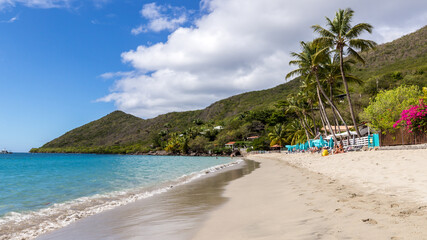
(384, 110)
(414, 118)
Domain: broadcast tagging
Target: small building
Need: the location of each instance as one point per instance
(218, 128)
(276, 147)
(251, 138)
(339, 129)
(230, 145)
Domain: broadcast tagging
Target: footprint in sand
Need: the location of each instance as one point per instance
(369, 221)
(353, 195)
(394, 205)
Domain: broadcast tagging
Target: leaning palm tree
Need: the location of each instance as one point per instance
(331, 73)
(307, 97)
(278, 135)
(309, 63)
(294, 133)
(293, 106)
(341, 35)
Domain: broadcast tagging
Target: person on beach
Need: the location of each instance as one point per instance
(339, 148)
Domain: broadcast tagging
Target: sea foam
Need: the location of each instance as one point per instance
(31, 224)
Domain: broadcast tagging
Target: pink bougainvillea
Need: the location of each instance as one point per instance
(414, 118)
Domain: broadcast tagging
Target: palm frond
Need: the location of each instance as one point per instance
(331, 25)
(352, 78)
(346, 20)
(296, 72)
(351, 52)
(295, 62)
(322, 31)
(324, 41)
(320, 56)
(362, 44)
(358, 29)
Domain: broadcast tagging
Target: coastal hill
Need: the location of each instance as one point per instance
(119, 129)
(402, 61)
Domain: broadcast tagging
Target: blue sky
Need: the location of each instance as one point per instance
(64, 63)
(50, 66)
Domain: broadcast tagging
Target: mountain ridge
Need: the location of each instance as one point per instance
(402, 61)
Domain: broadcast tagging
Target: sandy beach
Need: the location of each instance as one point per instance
(359, 195)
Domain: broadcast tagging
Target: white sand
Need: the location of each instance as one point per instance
(402, 173)
(362, 195)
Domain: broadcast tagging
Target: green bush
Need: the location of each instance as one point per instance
(198, 144)
(384, 110)
(262, 143)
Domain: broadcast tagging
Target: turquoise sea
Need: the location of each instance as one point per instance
(41, 192)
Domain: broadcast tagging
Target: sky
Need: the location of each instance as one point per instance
(64, 63)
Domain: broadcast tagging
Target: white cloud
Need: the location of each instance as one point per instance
(11, 20)
(138, 30)
(110, 75)
(160, 18)
(48, 3)
(238, 46)
(36, 3)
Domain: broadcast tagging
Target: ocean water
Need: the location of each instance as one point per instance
(42, 192)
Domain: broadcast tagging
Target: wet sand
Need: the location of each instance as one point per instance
(370, 195)
(175, 215)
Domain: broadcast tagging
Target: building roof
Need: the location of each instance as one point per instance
(339, 128)
(253, 137)
(276, 146)
(230, 143)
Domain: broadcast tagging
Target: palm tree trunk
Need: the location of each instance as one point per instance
(313, 117)
(306, 123)
(333, 110)
(348, 93)
(331, 103)
(324, 112)
(305, 129)
(322, 120)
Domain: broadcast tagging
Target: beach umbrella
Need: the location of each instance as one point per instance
(322, 142)
(331, 143)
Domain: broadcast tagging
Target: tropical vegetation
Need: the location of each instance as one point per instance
(385, 109)
(340, 80)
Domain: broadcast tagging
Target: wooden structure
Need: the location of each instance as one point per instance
(402, 137)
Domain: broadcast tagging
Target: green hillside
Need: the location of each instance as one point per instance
(119, 131)
(403, 61)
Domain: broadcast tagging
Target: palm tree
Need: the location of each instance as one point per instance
(307, 97)
(278, 135)
(341, 35)
(331, 73)
(293, 106)
(294, 133)
(309, 62)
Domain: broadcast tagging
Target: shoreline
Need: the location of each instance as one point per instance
(31, 224)
(344, 196)
(174, 214)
